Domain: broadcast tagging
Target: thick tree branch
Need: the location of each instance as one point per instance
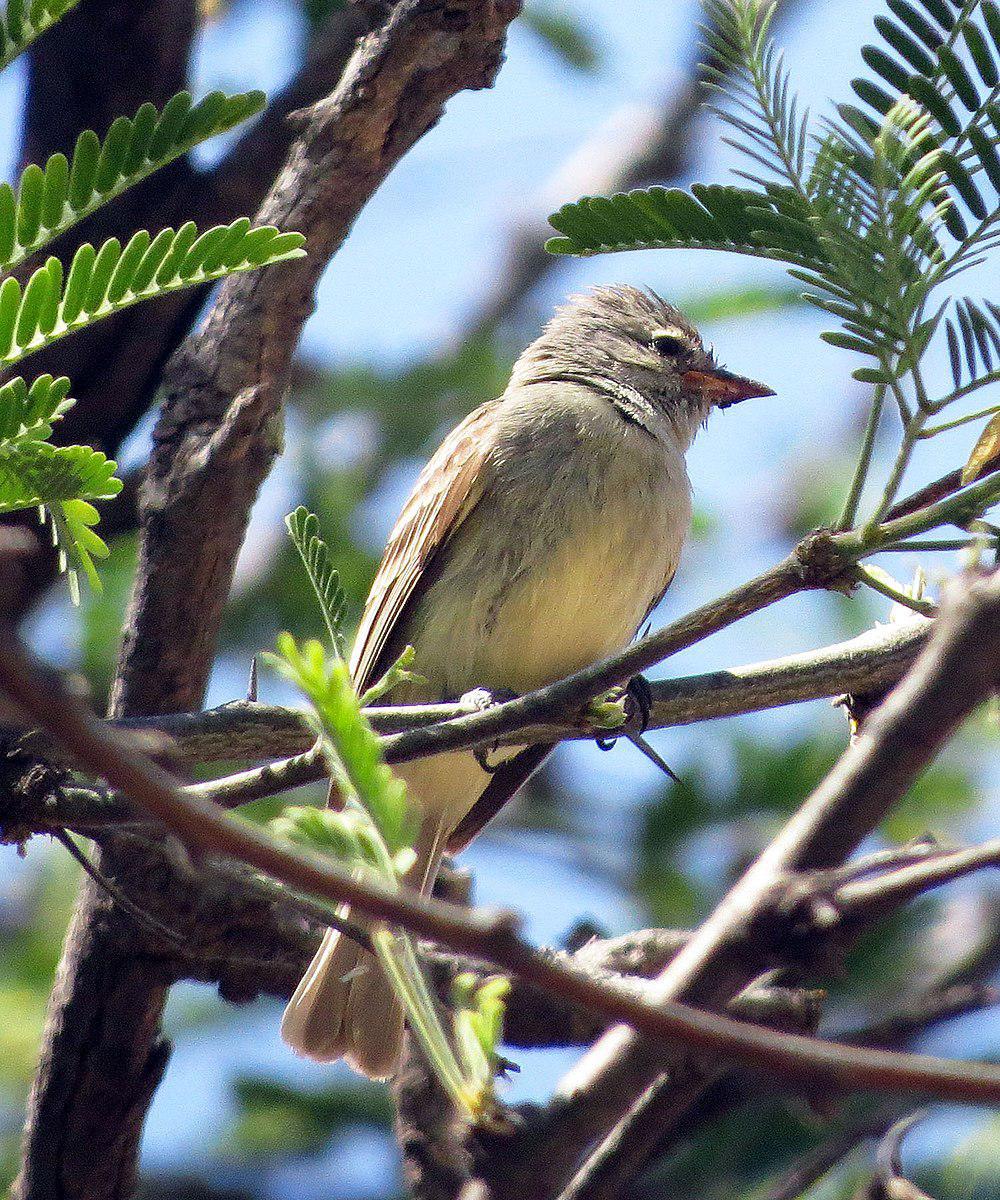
(220, 427)
(217, 436)
(240, 180)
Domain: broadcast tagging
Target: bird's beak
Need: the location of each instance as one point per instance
(722, 388)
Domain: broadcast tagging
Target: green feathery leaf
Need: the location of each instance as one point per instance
(303, 526)
(58, 480)
(749, 71)
(106, 281)
(354, 749)
(37, 473)
(710, 217)
(973, 339)
(28, 413)
(46, 202)
(25, 20)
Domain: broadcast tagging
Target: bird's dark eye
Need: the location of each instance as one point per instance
(668, 344)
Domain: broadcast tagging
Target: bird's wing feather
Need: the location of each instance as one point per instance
(656, 600)
(449, 488)
(507, 779)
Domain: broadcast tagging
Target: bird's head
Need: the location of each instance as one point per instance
(632, 339)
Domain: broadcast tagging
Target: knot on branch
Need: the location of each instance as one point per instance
(28, 789)
(820, 563)
(803, 918)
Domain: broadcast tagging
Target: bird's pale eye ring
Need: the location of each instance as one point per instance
(668, 344)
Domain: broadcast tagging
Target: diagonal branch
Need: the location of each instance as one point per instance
(220, 428)
(864, 898)
(950, 678)
(206, 830)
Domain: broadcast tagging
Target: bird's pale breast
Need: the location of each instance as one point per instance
(578, 534)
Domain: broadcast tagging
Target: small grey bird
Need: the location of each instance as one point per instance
(536, 541)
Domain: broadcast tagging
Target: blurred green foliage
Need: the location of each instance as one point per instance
(281, 1120)
(565, 34)
(33, 918)
(736, 808)
(101, 617)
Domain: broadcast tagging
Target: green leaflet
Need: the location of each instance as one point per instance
(29, 413)
(25, 20)
(48, 201)
(355, 748)
(303, 527)
(105, 281)
(709, 217)
(61, 481)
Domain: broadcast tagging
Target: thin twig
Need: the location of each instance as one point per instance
(867, 896)
(924, 608)
(816, 562)
(268, 780)
(939, 489)
(143, 920)
(853, 499)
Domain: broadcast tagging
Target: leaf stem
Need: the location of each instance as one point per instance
(966, 389)
(934, 430)
(910, 436)
(963, 506)
(930, 545)
(925, 608)
(850, 510)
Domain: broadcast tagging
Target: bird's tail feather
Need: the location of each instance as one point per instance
(344, 1006)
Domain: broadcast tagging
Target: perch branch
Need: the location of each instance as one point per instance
(206, 830)
(243, 730)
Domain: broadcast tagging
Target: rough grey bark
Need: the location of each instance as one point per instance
(218, 434)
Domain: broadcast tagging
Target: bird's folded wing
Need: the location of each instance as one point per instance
(448, 489)
(504, 782)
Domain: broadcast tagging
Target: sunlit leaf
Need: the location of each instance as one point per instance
(985, 453)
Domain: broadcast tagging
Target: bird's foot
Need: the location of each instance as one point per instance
(636, 700)
(636, 703)
(482, 699)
